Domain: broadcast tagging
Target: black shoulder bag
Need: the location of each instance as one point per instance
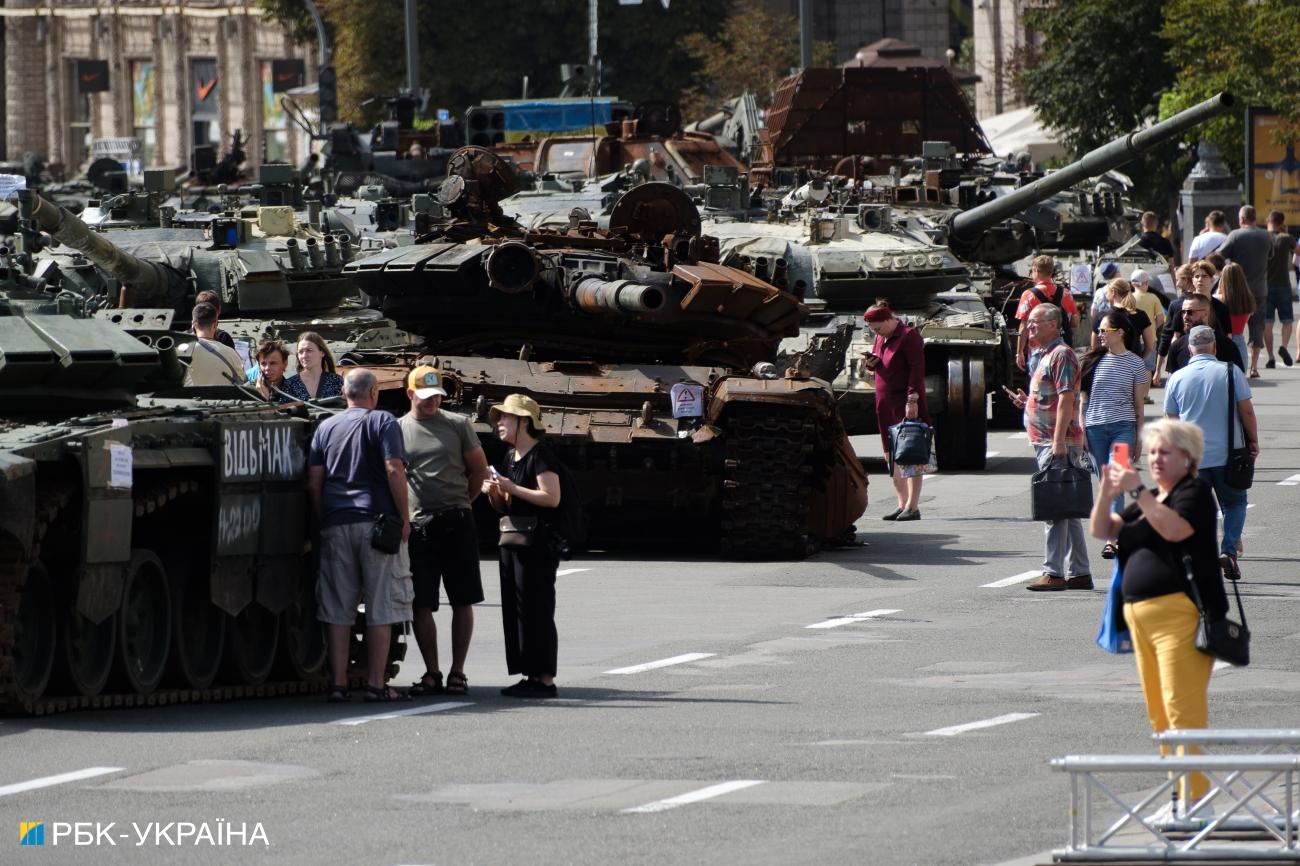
(1240, 470)
(1223, 639)
(386, 531)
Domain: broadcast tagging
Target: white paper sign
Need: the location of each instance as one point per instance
(119, 465)
(245, 350)
(11, 183)
(1081, 278)
(688, 400)
(1167, 280)
(120, 422)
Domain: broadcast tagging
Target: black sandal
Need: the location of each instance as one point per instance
(339, 695)
(428, 686)
(383, 695)
(457, 683)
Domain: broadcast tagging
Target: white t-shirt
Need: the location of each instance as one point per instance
(1204, 244)
(211, 363)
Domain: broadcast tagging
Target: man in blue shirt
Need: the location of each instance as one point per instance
(356, 470)
(1198, 393)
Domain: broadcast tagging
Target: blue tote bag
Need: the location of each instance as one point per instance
(1113, 636)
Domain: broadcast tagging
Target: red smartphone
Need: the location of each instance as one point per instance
(1119, 454)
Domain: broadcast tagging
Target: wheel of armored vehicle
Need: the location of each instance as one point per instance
(302, 639)
(34, 634)
(252, 637)
(144, 623)
(88, 650)
(198, 627)
(962, 429)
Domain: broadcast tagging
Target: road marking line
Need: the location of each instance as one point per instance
(1222, 666)
(1018, 436)
(991, 454)
(975, 726)
(853, 617)
(1011, 581)
(1292, 481)
(662, 663)
(563, 571)
(695, 796)
(409, 711)
(47, 781)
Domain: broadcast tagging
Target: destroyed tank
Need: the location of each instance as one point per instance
(840, 247)
(652, 363)
(151, 551)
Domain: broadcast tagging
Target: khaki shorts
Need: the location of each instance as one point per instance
(352, 571)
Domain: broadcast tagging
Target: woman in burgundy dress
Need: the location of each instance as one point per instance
(898, 360)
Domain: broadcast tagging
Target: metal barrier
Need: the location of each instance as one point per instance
(1260, 741)
(1152, 842)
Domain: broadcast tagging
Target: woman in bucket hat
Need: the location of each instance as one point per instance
(525, 487)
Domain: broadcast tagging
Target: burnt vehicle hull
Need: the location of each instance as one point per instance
(599, 326)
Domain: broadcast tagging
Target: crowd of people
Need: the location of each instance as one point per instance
(393, 501)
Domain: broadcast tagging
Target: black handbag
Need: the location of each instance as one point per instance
(1060, 491)
(386, 533)
(1240, 469)
(910, 443)
(1222, 638)
(517, 531)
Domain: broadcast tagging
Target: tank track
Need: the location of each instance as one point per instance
(768, 467)
(13, 572)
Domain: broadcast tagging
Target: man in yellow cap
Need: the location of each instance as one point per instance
(446, 469)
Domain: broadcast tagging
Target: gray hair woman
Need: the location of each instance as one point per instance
(1162, 526)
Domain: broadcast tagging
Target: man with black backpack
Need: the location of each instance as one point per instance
(1043, 291)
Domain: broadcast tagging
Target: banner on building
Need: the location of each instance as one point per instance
(92, 76)
(1273, 176)
(286, 75)
(204, 72)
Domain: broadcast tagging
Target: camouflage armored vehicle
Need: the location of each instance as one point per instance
(653, 365)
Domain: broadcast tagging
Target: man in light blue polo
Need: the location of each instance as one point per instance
(1198, 393)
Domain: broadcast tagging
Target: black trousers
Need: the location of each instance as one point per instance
(528, 609)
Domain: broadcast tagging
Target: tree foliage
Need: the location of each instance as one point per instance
(1247, 49)
(1097, 75)
(484, 52)
(754, 51)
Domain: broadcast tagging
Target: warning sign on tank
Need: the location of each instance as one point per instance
(688, 400)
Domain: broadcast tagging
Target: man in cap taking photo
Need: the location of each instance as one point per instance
(446, 469)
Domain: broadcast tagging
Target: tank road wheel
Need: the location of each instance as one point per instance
(198, 628)
(302, 638)
(962, 430)
(35, 633)
(87, 651)
(144, 623)
(252, 637)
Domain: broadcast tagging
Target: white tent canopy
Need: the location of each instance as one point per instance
(1021, 130)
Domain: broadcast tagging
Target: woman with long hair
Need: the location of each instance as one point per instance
(316, 378)
(1121, 296)
(525, 487)
(1114, 384)
(1235, 292)
(1164, 525)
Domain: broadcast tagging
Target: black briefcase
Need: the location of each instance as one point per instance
(1061, 492)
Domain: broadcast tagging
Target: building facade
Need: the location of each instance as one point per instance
(934, 26)
(83, 79)
(1001, 38)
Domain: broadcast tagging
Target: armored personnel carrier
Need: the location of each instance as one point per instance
(653, 364)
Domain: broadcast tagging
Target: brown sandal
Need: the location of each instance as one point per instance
(457, 683)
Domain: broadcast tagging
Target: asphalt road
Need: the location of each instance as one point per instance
(892, 703)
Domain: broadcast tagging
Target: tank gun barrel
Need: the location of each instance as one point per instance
(147, 283)
(1105, 158)
(595, 295)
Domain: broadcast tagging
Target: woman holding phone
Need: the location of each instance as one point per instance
(898, 359)
(1114, 383)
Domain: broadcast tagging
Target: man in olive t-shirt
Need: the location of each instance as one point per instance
(446, 469)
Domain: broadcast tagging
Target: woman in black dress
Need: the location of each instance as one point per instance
(525, 487)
